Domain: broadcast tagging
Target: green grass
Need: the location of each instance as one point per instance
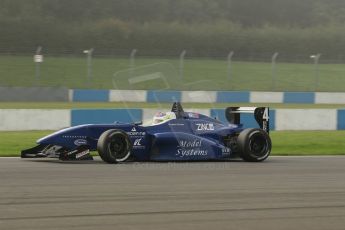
(284, 142)
(199, 74)
(98, 105)
(11, 143)
(308, 142)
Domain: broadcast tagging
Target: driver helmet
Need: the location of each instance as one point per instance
(161, 117)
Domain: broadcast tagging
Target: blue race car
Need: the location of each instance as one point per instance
(172, 136)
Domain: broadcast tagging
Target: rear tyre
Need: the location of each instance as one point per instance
(254, 145)
(114, 146)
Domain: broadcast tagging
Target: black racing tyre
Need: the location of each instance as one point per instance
(254, 145)
(114, 146)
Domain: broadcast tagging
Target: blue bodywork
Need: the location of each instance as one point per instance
(193, 136)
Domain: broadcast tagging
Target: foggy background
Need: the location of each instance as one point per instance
(155, 27)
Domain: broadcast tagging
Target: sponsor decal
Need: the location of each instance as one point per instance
(265, 115)
(53, 150)
(226, 151)
(190, 143)
(193, 115)
(70, 136)
(136, 134)
(191, 152)
(204, 126)
(176, 124)
(81, 154)
(80, 142)
(72, 152)
(137, 144)
(190, 148)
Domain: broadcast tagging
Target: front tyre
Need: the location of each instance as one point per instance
(114, 146)
(254, 145)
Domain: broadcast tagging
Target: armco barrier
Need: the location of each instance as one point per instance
(163, 96)
(167, 96)
(90, 95)
(266, 97)
(329, 98)
(157, 96)
(104, 116)
(306, 119)
(199, 96)
(127, 95)
(341, 119)
(299, 97)
(280, 119)
(44, 94)
(34, 119)
(231, 97)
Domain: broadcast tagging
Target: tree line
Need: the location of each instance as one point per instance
(158, 27)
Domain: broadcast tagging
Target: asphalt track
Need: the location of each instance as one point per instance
(281, 193)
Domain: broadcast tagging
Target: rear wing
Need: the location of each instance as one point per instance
(261, 115)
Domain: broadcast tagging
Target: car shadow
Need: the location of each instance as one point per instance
(99, 161)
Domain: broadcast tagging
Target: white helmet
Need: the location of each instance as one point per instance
(161, 117)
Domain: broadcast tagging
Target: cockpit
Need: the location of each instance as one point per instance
(162, 117)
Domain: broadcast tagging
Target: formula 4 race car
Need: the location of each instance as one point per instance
(172, 136)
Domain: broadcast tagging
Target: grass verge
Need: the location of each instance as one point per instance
(308, 142)
(199, 74)
(12, 142)
(284, 142)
